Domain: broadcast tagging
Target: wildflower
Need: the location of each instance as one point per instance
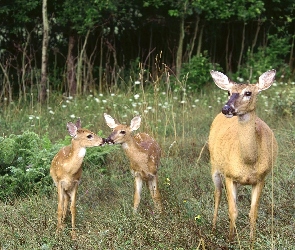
(104, 101)
(51, 112)
(63, 106)
(31, 117)
(198, 217)
(136, 96)
(72, 116)
(137, 82)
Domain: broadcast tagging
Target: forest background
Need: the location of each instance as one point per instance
(83, 46)
(60, 60)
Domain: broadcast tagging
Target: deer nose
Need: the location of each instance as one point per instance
(227, 109)
(108, 141)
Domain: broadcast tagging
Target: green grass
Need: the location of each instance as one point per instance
(181, 124)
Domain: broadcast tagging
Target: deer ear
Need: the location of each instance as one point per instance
(266, 79)
(110, 121)
(78, 123)
(72, 129)
(221, 80)
(135, 123)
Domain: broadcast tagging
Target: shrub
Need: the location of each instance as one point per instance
(197, 71)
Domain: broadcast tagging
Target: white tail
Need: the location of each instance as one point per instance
(66, 170)
(144, 154)
(243, 148)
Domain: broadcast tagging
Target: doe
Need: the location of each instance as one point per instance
(66, 170)
(243, 149)
(144, 154)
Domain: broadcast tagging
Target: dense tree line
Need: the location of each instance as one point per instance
(91, 45)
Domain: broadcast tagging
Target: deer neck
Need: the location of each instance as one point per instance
(248, 137)
(129, 146)
(76, 156)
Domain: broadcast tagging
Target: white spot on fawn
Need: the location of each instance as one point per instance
(82, 152)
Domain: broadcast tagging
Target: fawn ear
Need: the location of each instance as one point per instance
(221, 80)
(72, 128)
(266, 79)
(78, 123)
(110, 121)
(135, 123)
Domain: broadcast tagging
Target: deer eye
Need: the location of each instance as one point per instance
(248, 93)
(123, 132)
(90, 136)
(228, 93)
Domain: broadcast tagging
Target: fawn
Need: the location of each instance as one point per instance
(66, 170)
(242, 147)
(144, 154)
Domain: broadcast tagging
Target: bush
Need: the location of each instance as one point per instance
(197, 71)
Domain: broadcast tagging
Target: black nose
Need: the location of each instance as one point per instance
(227, 110)
(108, 141)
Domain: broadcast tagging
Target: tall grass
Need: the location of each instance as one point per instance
(180, 121)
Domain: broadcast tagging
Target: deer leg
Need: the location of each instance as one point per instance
(65, 205)
(155, 193)
(73, 196)
(231, 188)
(217, 196)
(137, 191)
(60, 204)
(256, 193)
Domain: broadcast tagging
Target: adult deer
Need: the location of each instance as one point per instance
(242, 147)
(144, 154)
(66, 170)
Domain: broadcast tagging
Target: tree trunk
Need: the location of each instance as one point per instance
(227, 66)
(79, 65)
(42, 91)
(256, 36)
(200, 41)
(242, 47)
(180, 47)
(194, 38)
(71, 74)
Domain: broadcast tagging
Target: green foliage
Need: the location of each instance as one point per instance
(285, 105)
(266, 58)
(197, 71)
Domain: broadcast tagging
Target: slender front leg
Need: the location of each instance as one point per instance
(137, 191)
(231, 188)
(65, 205)
(60, 208)
(73, 196)
(256, 193)
(217, 196)
(155, 193)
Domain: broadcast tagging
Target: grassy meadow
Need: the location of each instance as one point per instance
(180, 121)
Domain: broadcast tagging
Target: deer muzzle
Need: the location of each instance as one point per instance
(228, 109)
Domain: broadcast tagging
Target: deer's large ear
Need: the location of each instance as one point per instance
(72, 129)
(135, 123)
(110, 121)
(266, 79)
(78, 123)
(221, 80)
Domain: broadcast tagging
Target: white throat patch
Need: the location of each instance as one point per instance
(82, 152)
